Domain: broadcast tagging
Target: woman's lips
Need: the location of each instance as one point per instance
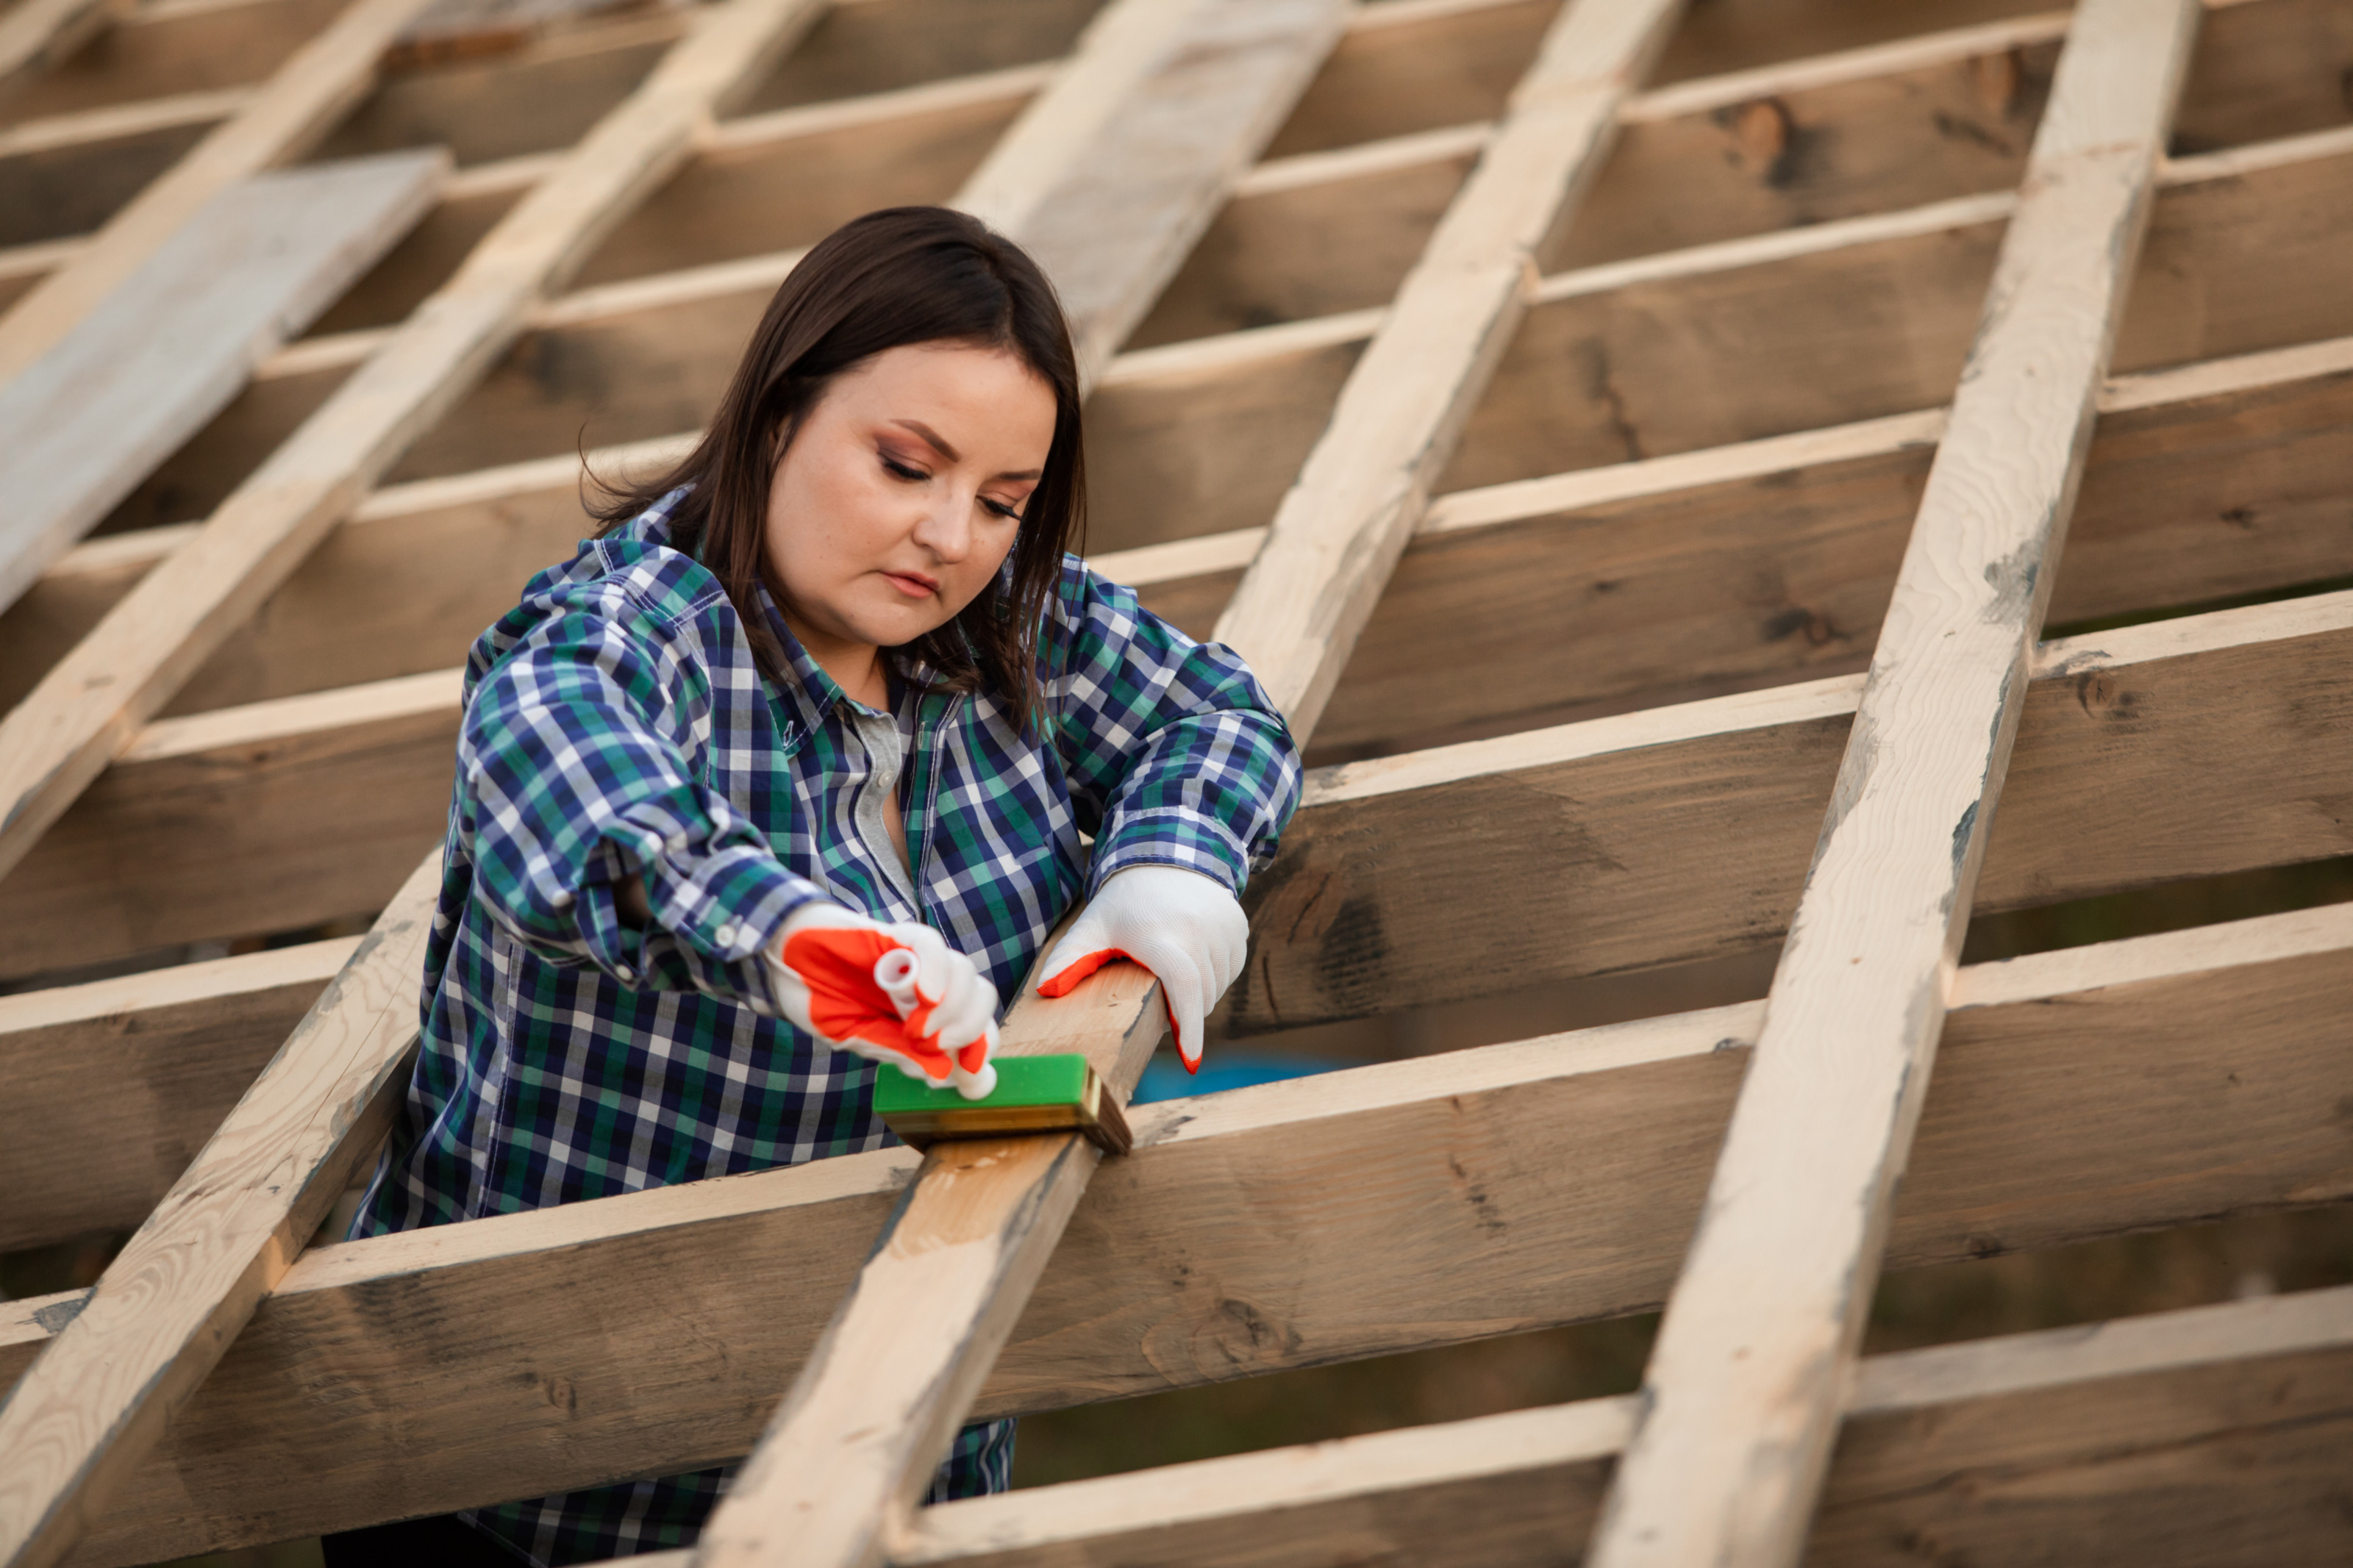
(915, 584)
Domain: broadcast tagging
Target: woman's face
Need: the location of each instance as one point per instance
(900, 495)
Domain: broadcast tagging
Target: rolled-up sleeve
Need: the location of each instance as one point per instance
(576, 772)
(1175, 756)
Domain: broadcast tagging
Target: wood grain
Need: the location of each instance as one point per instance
(83, 1416)
(1740, 1398)
(302, 100)
(2183, 1437)
(140, 374)
(176, 1048)
(2082, 1095)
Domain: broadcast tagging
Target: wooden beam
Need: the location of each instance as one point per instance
(161, 50)
(330, 793)
(302, 102)
(83, 1416)
(1773, 559)
(2205, 480)
(1741, 1396)
(1339, 530)
(36, 35)
(177, 339)
(62, 736)
(1606, 839)
(2082, 1095)
(2210, 1434)
(176, 1049)
(1730, 320)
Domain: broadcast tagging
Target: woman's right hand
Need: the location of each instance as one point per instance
(891, 991)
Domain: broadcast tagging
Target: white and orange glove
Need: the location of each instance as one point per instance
(891, 993)
(1184, 927)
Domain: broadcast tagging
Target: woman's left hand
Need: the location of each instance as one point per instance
(1187, 929)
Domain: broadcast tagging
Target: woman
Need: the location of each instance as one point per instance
(832, 687)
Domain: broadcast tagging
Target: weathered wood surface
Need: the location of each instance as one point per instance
(2082, 1095)
(1113, 230)
(81, 1419)
(1360, 494)
(315, 86)
(2211, 744)
(177, 339)
(88, 707)
(2199, 1436)
(1733, 564)
(1740, 1400)
(176, 1049)
(1699, 349)
(1180, 106)
(2164, 753)
(36, 35)
(157, 51)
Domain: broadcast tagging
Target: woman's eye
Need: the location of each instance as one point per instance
(901, 470)
(1010, 514)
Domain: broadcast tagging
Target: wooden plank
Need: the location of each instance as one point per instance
(176, 1049)
(36, 35)
(2146, 762)
(1775, 559)
(84, 1416)
(61, 736)
(2210, 1434)
(162, 50)
(1729, 564)
(2083, 1096)
(1740, 1398)
(309, 807)
(303, 99)
(139, 375)
(1175, 110)
(1117, 226)
(1729, 343)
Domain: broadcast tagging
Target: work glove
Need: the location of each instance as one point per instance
(1184, 927)
(891, 993)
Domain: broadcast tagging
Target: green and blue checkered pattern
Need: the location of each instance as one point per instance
(617, 725)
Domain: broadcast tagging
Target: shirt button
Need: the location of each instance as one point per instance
(726, 935)
(624, 971)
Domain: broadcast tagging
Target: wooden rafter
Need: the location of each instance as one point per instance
(310, 92)
(2196, 1427)
(1740, 1402)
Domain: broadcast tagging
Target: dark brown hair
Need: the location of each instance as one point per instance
(904, 275)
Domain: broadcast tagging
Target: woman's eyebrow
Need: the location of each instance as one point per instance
(938, 443)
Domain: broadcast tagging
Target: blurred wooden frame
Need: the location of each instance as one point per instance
(1473, 299)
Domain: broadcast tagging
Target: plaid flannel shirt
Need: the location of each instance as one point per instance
(615, 724)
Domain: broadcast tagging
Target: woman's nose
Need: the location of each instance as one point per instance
(946, 528)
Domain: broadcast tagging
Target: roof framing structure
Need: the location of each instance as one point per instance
(1640, 447)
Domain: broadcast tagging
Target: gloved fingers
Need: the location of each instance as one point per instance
(1086, 947)
(917, 1060)
(1184, 986)
(968, 1013)
(1227, 947)
(932, 957)
(974, 1074)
